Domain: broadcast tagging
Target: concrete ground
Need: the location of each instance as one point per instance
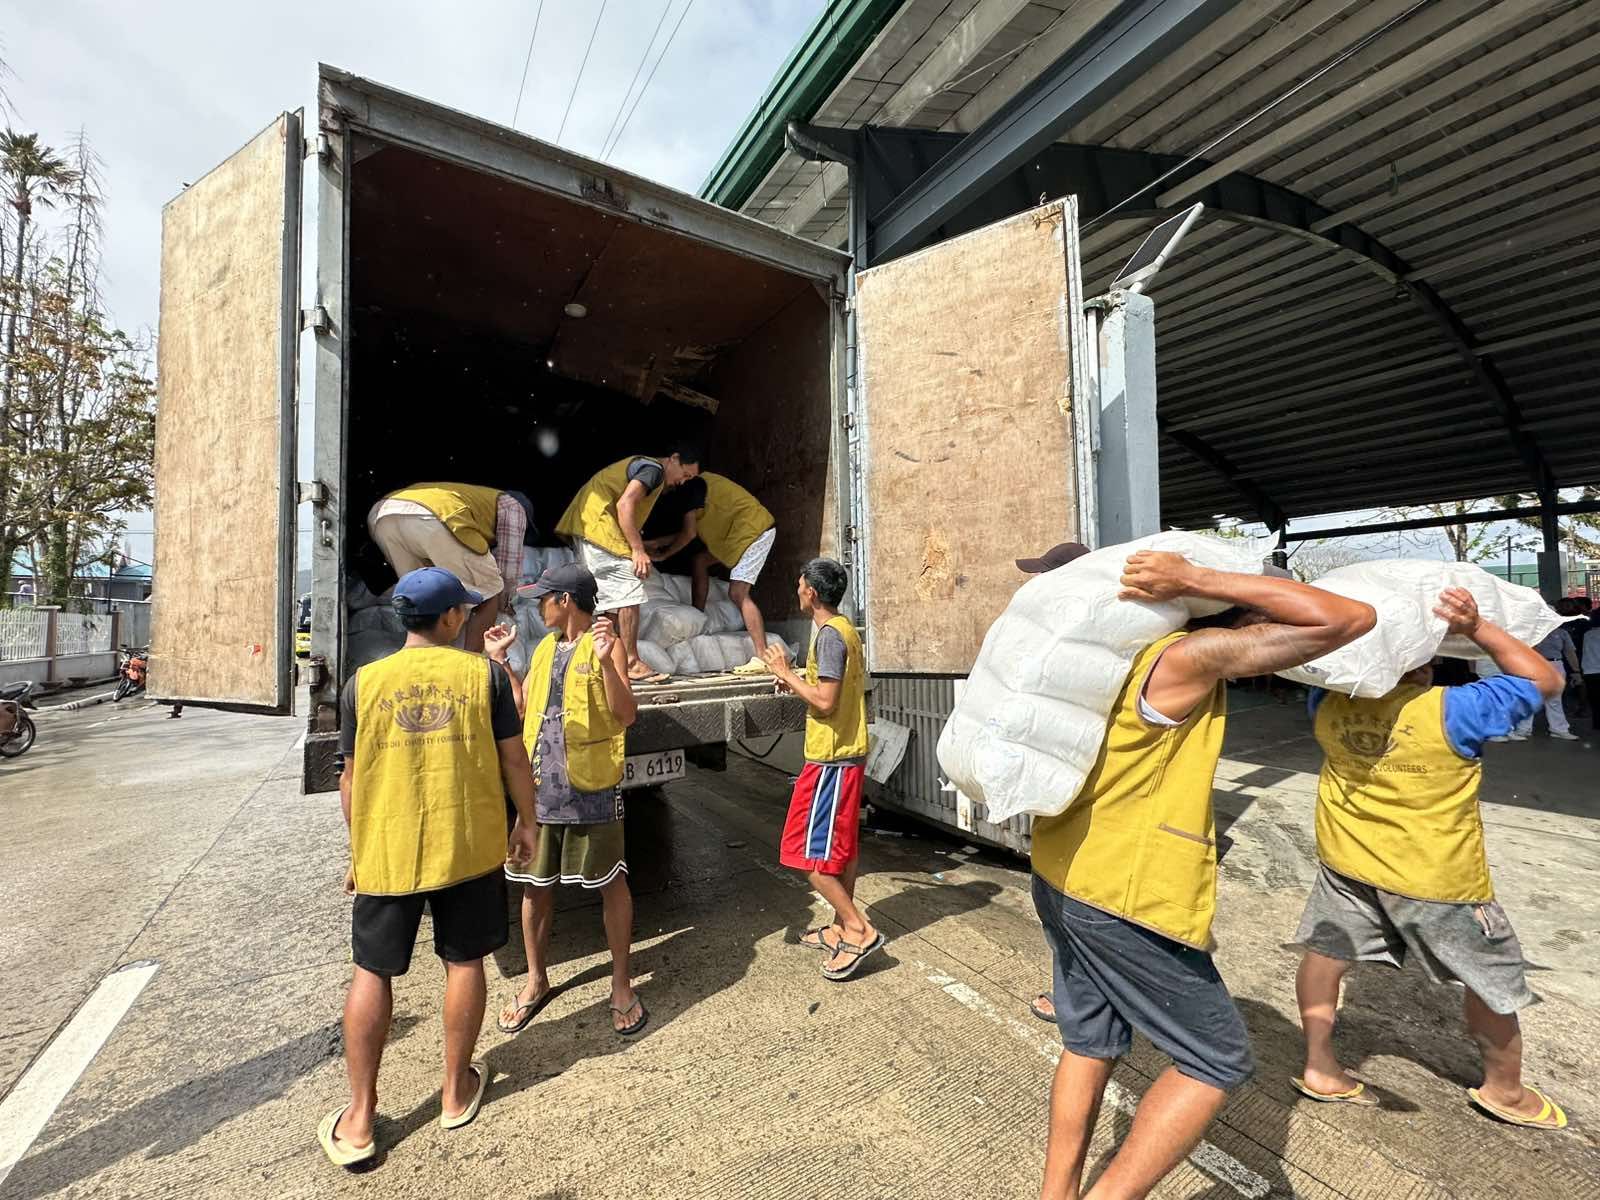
(133, 838)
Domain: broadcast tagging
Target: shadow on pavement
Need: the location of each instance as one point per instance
(180, 1116)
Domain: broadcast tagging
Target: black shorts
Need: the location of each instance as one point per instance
(469, 922)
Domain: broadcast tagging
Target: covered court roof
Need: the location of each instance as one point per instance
(1394, 294)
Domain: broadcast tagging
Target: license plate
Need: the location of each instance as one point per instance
(647, 770)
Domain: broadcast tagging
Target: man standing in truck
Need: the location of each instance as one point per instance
(735, 529)
(604, 523)
(1125, 878)
(1403, 868)
(475, 533)
(432, 747)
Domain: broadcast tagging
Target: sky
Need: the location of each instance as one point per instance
(167, 89)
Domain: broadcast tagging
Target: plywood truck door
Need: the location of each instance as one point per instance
(966, 365)
(222, 620)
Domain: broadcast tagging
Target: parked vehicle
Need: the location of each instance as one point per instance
(17, 730)
(583, 314)
(302, 628)
(133, 666)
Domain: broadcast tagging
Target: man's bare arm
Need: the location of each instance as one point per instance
(1513, 657)
(1302, 623)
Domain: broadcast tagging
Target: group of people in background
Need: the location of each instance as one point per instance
(440, 739)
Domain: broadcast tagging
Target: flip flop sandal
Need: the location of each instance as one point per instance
(1040, 1012)
(466, 1115)
(1358, 1095)
(1549, 1116)
(526, 1011)
(821, 942)
(341, 1153)
(644, 1017)
(657, 677)
(755, 666)
(856, 953)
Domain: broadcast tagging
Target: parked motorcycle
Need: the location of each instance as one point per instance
(132, 666)
(17, 730)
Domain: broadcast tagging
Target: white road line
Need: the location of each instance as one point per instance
(24, 1113)
(1219, 1164)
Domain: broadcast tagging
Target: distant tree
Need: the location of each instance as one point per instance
(1581, 531)
(31, 173)
(1468, 540)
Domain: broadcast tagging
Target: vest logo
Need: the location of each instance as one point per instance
(580, 668)
(1366, 743)
(423, 708)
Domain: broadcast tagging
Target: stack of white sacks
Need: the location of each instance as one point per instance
(1029, 723)
(674, 636)
(677, 638)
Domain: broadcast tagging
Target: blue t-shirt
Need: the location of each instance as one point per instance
(1476, 712)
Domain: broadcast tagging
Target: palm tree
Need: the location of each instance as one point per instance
(31, 173)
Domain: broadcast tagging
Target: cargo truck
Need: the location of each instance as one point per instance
(494, 309)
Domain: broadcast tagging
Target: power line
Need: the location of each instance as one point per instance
(573, 95)
(618, 139)
(538, 12)
(643, 58)
(1260, 112)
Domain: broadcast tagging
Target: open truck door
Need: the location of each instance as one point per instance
(222, 630)
(971, 357)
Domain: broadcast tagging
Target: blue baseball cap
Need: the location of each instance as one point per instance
(429, 591)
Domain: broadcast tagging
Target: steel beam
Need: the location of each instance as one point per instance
(1202, 451)
(1139, 35)
(1566, 508)
(892, 160)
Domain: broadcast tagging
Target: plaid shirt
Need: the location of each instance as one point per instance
(510, 523)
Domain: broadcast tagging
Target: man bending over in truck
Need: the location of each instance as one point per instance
(604, 523)
(735, 529)
(821, 832)
(432, 747)
(1403, 869)
(456, 526)
(576, 706)
(1125, 879)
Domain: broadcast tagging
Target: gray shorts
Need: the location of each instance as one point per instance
(1112, 977)
(1470, 944)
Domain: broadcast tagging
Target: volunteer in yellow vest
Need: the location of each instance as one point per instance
(475, 533)
(1125, 878)
(735, 529)
(432, 746)
(821, 832)
(604, 521)
(1403, 865)
(576, 706)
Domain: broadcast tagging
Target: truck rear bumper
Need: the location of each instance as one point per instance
(672, 716)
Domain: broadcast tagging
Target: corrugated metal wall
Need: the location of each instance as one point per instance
(922, 703)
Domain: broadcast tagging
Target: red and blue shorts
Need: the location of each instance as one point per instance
(824, 822)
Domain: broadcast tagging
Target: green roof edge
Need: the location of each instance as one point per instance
(836, 39)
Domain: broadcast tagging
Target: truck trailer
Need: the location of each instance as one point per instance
(493, 309)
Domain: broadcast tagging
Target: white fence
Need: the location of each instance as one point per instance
(46, 645)
(24, 633)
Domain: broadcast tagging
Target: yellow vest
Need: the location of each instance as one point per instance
(1397, 807)
(731, 519)
(467, 511)
(427, 805)
(1139, 841)
(592, 515)
(594, 735)
(843, 734)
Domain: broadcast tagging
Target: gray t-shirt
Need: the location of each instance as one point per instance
(831, 653)
(648, 472)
